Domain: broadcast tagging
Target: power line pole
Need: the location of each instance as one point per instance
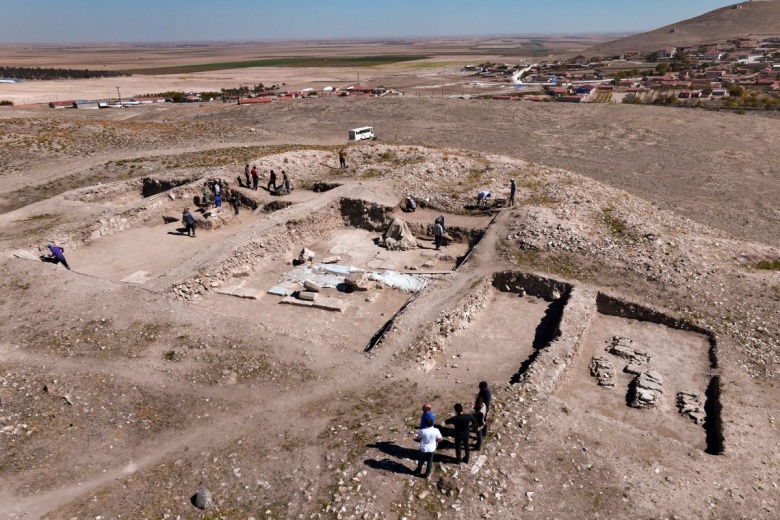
(119, 95)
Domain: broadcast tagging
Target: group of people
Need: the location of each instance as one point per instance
(484, 195)
(463, 425)
(215, 191)
(272, 178)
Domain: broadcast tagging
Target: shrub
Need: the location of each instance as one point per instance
(6, 103)
(769, 265)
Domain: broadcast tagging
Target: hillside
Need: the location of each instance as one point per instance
(759, 17)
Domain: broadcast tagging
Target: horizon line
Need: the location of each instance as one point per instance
(342, 39)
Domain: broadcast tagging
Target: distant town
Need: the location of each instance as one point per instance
(737, 74)
(742, 73)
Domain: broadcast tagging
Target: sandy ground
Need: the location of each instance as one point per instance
(167, 386)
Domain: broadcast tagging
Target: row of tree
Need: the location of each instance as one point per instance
(38, 73)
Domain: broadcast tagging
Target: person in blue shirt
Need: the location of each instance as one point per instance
(426, 413)
(57, 255)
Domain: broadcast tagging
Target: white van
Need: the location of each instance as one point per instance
(358, 134)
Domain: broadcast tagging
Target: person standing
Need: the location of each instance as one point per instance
(479, 416)
(286, 182)
(246, 174)
(440, 220)
(342, 158)
(438, 235)
(462, 423)
(487, 397)
(255, 178)
(205, 195)
(429, 438)
(234, 201)
(512, 191)
(58, 254)
(189, 222)
(217, 200)
(426, 413)
(272, 182)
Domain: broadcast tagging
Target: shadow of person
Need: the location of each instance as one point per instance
(388, 465)
(179, 232)
(394, 450)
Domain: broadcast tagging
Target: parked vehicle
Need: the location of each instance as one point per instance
(359, 134)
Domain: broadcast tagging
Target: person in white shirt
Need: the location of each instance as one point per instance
(429, 438)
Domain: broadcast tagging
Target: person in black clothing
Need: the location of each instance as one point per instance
(486, 396)
(189, 222)
(234, 201)
(462, 422)
(479, 417)
(246, 174)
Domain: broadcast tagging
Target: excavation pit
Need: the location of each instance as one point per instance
(681, 356)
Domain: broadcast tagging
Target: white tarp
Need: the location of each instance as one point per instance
(331, 275)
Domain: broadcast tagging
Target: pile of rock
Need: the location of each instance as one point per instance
(624, 347)
(646, 389)
(603, 370)
(689, 403)
(398, 237)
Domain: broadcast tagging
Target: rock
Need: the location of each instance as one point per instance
(398, 236)
(202, 499)
(312, 286)
(307, 296)
(306, 255)
(428, 264)
(690, 405)
(357, 281)
(602, 369)
(633, 369)
(331, 260)
(647, 389)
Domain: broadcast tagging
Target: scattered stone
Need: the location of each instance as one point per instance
(428, 264)
(357, 281)
(312, 286)
(647, 389)
(398, 237)
(633, 369)
(240, 292)
(307, 296)
(689, 404)
(202, 499)
(623, 347)
(331, 260)
(306, 255)
(603, 370)
(278, 290)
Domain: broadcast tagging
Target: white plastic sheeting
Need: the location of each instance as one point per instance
(331, 275)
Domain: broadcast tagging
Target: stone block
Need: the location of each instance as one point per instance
(307, 295)
(312, 286)
(357, 281)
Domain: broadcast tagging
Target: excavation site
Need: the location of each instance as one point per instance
(226, 342)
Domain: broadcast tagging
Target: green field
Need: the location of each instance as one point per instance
(357, 61)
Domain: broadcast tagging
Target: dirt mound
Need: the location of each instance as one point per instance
(398, 236)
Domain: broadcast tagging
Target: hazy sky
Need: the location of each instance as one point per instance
(41, 21)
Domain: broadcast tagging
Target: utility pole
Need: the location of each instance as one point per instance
(119, 95)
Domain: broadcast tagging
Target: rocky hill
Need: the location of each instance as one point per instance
(753, 17)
